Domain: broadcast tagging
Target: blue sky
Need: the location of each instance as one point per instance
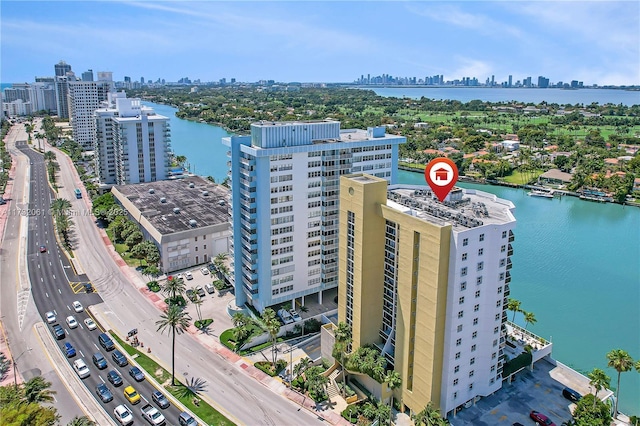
(591, 41)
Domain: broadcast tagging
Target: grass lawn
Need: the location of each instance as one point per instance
(123, 251)
(520, 178)
(210, 415)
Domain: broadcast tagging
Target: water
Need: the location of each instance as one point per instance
(558, 96)
(575, 264)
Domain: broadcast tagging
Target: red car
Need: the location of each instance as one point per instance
(43, 249)
(541, 419)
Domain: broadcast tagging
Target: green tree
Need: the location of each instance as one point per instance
(599, 380)
(272, 326)
(60, 206)
(514, 306)
(138, 252)
(590, 411)
(37, 390)
(301, 367)
(239, 333)
(429, 416)
(622, 362)
(134, 239)
(173, 287)
(49, 156)
(81, 421)
(176, 321)
(341, 346)
(394, 381)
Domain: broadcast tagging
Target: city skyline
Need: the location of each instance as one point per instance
(594, 42)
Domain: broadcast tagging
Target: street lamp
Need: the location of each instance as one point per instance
(13, 361)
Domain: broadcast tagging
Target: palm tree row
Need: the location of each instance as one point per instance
(59, 210)
(514, 306)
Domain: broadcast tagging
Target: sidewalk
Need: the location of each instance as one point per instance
(9, 378)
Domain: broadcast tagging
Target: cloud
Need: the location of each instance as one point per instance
(469, 67)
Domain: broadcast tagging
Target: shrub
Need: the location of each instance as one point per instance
(178, 300)
(153, 286)
(312, 325)
(352, 412)
(204, 323)
(226, 338)
(268, 368)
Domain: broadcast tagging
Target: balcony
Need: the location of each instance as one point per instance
(511, 237)
(510, 250)
(509, 264)
(520, 340)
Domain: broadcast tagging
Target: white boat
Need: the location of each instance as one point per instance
(539, 193)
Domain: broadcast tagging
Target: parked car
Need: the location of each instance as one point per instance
(71, 322)
(541, 419)
(51, 317)
(114, 377)
(88, 288)
(294, 314)
(99, 361)
(81, 368)
(131, 394)
(285, 316)
(69, 350)
(205, 271)
(91, 325)
(186, 419)
(188, 275)
(104, 393)
(571, 394)
(159, 398)
(119, 358)
(58, 331)
(211, 267)
(136, 373)
(77, 306)
(123, 414)
(200, 291)
(210, 288)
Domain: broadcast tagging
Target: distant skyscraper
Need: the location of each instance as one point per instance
(543, 82)
(87, 75)
(285, 199)
(62, 68)
(510, 81)
(85, 98)
(132, 142)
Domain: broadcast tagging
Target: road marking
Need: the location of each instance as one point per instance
(81, 354)
(54, 277)
(100, 377)
(50, 263)
(46, 294)
(60, 293)
(41, 280)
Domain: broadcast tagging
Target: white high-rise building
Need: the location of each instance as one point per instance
(285, 203)
(85, 98)
(132, 142)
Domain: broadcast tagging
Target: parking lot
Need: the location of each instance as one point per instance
(540, 390)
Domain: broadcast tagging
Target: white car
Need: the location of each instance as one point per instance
(123, 414)
(204, 271)
(180, 277)
(91, 325)
(71, 322)
(77, 306)
(51, 317)
(81, 368)
(294, 314)
(188, 275)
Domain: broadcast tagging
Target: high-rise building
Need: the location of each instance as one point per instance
(543, 82)
(132, 142)
(85, 98)
(61, 69)
(510, 81)
(62, 95)
(427, 284)
(285, 199)
(87, 75)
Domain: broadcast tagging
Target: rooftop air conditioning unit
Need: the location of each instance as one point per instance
(176, 210)
(163, 200)
(192, 185)
(193, 223)
(205, 193)
(152, 191)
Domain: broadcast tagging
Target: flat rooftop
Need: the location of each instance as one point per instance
(170, 205)
(463, 208)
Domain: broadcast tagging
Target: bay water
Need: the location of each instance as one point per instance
(576, 264)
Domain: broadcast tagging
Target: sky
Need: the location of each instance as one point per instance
(596, 42)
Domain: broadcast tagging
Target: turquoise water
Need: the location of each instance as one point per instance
(559, 96)
(576, 264)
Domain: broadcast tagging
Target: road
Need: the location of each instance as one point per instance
(50, 274)
(243, 399)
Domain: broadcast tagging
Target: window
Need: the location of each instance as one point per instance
(455, 395)
(475, 321)
(493, 355)
(472, 361)
(456, 369)
(503, 249)
(501, 276)
(463, 271)
(476, 308)
(504, 234)
(498, 303)
(495, 343)
(470, 386)
(480, 266)
(455, 382)
(479, 280)
(474, 335)
(460, 314)
(465, 242)
(473, 348)
(463, 286)
(459, 328)
(464, 256)
(493, 368)
(492, 381)
(196, 238)
(502, 262)
(477, 293)
(481, 237)
(495, 330)
(461, 300)
(480, 252)
(499, 290)
(458, 342)
(471, 373)
(196, 248)
(457, 355)
(497, 317)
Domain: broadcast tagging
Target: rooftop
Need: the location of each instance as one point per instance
(171, 205)
(463, 208)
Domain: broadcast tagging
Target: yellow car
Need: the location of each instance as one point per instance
(131, 394)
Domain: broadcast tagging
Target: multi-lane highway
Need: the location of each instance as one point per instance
(54, 290)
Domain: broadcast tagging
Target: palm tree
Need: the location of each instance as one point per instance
(529, 318)
(622, 362)
(239, 333)
(173, 288)
(342, 342)
(81, 421)
(176, 321)
(198, 303)
(37, 390)
(239, 319)
(301, 366)
(60, 206)
(429, 416)
(272, 326)
(393, 380)
(599, 380)
(49, 156)
(513, 305)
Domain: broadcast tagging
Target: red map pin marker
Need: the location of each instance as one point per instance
(441, 174)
